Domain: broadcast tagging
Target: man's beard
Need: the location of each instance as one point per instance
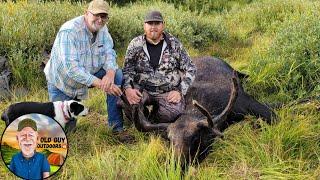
(96, 27)
(28, 148)
(154, 35)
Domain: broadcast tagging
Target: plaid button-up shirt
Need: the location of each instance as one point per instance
(74, 59)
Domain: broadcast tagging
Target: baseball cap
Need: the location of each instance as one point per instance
(98, 6)
(27, 123)
(153, 16)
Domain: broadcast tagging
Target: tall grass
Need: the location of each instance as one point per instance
(198, 6)
(275, 42)
(287, 150)
(290, 66)
(195, 31)
(26, 31)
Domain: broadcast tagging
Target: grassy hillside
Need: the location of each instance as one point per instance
(275, 42)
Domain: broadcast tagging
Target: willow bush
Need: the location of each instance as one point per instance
(27, 29)
(291, 66)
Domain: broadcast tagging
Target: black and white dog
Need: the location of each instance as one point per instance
(61, 111)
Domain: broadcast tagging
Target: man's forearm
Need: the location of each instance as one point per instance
(96, 83)
(111, 73)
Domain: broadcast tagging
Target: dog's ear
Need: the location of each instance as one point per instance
(76, 108)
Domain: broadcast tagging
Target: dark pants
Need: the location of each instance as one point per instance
(162, 111)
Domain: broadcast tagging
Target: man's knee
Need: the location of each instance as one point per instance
(56, 94)
(169, 112)
(118, 78)
(100, 73)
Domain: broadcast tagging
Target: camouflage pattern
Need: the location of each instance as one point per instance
(176, 70)
(162, 110)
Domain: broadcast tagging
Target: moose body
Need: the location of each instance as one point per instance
(211, 88)
(214, 101)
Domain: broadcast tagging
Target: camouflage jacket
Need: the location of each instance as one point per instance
(175, 71)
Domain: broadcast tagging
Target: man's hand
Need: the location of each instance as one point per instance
(107, 80)
(174, 97)
(96, 83)
(133, 95)
(114, 90)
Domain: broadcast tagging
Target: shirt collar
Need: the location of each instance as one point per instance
(21, 158)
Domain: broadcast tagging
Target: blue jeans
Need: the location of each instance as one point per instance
(114, 112)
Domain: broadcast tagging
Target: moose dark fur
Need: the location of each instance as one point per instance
(214, 101)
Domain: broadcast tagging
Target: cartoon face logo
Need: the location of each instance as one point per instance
(34, 146)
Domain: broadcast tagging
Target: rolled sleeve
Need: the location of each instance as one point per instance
(111, 57)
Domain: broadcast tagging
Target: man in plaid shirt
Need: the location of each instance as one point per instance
(83, 56)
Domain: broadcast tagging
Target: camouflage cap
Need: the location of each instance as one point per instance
(153, 16)
(27, 123)
(98, 6)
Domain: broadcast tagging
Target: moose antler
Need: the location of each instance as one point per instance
(223, 115)
(204, 111)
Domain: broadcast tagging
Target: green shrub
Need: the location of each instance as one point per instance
(210, 6)
(31, 27)
(193, 30)
(263, 17)
(26, 71)
(26, 30)
(29, 31)
(291, 66)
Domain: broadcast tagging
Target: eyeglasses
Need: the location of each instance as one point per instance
(103, 16)
(155, 23)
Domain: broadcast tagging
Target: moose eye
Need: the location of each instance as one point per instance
(194, 139)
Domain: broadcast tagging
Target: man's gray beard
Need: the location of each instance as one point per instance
(29, 154)
(96, 28)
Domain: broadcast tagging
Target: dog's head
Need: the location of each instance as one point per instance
(76, 108)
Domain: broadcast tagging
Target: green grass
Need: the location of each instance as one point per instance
(287, 150)
(275, 42)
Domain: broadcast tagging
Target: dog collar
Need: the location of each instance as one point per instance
(66, 116)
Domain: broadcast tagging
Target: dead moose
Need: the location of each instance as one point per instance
(214, 101)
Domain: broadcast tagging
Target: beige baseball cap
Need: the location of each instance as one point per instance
(98, 6)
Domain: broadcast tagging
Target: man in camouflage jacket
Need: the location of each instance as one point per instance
(157, 63)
